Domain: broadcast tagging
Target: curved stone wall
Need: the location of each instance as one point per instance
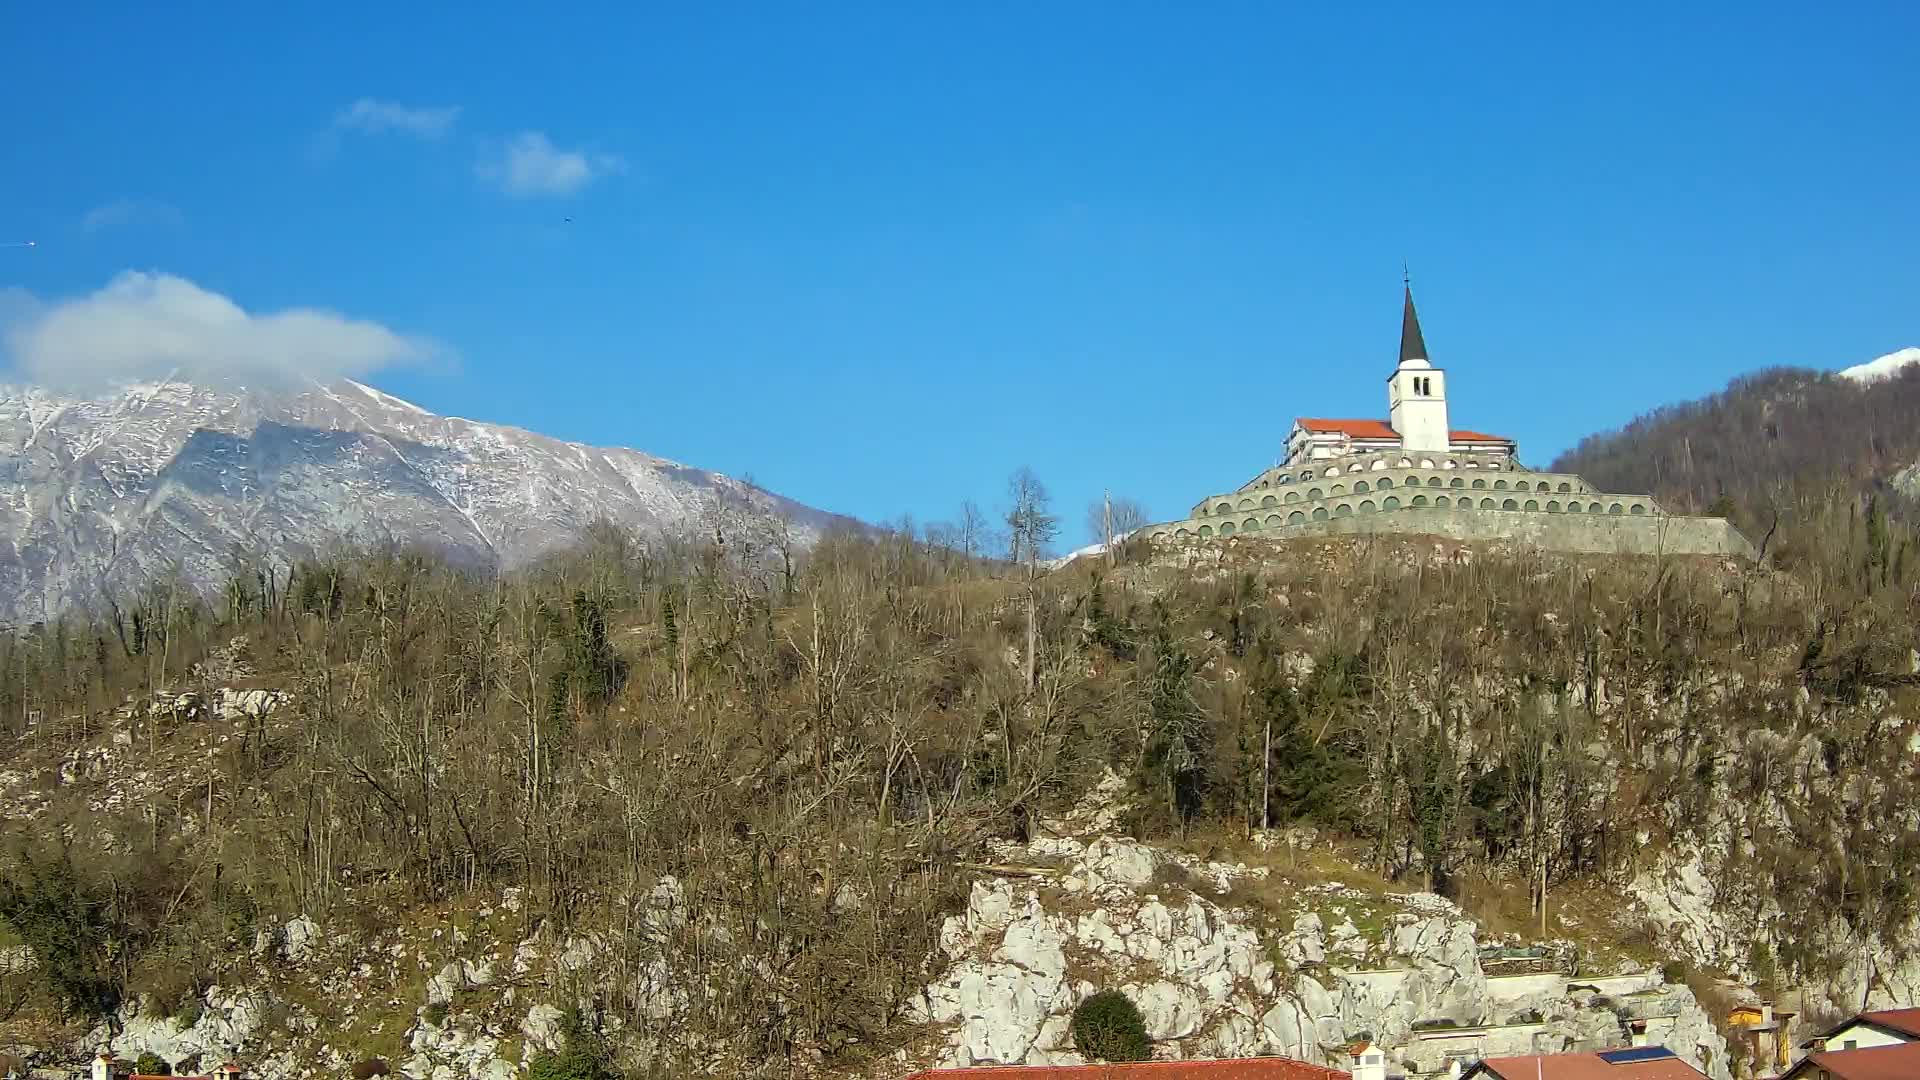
(1391, 487)
(1458, 495)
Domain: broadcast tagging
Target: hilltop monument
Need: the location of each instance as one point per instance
(1413, 472)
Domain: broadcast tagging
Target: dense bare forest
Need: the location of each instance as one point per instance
(813, 746)
(1762, 447)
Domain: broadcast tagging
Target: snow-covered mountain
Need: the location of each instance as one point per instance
(1884, 367)
(100, 494)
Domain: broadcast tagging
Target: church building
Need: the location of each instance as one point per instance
(1414, 472)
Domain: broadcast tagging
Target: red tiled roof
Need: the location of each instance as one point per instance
(1904, 1021)
(1268, 1068)
(1380, 429)
(1586, 1067)
(1900, 1061)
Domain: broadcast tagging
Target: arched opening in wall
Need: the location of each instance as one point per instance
(1500, 485)
(1509, 504)
(1343, 510)
(1306, 476)
(1331, 470)
(1291, 496)
(1564, 486)
(1457, 482)
(1379, 463)
(1532, 504)
(1285, 478)
(1478, 483)
(1426, 463)
(1636, 508)
(1421, 500)
(1593, 508)
(1316, 493)
(1442, 501)
(1269, 501)
(1246, 504)
(1296, 518)
(1251, 525)
(1553, 506)
(1339, 489)
(1360, 487)
(1542, 486)
(1366, 506)
(1319, 513)
(1273, 521)
(1223, 508)
(1206, 531)
(1453, 463)
(1390, 503)
(1386, 482)
(1485, 504)
(1616, 508)
(1226, 528)
(1406, 463)
(1183, 535)
(1471, 464)
(1432, 481)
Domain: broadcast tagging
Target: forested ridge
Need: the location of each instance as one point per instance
(814, 746)
(1773, 444)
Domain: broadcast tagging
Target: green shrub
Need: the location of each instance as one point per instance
(149, 1064)
(435, 1013)
(1108, 1027)
(570, 1064)
(1674, 971)
(585, 1054)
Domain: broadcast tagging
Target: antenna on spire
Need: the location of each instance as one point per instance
(1406, 276)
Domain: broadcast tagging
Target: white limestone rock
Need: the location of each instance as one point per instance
(542, 1027)
(298, 939)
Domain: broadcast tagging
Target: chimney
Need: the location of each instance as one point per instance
(1369, 1062)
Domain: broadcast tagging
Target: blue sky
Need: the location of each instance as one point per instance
(876, 256)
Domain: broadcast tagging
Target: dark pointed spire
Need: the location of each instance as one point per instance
(1412, 345)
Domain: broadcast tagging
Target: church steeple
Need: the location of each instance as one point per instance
(1417, 391)
(1412, 345)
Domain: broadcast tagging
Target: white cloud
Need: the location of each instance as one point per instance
(151, 326)
(378, 117)
(530, 165)
(131, 212)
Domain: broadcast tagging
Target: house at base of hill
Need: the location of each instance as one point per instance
(1885, 1061)
(1261, 1068)
(1882, 1027)
(1637, 1063)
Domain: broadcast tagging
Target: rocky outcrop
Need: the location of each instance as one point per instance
(1214, 980)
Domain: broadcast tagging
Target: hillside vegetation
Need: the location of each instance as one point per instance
(1774, 444)
(814, 748)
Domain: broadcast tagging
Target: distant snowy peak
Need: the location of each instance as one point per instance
(1884, 368)
(102, 493)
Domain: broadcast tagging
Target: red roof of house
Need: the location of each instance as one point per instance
(1900, 1061)
(1266, 1068)
(1904, 1021)
(1380, 429)
(1585, 1067)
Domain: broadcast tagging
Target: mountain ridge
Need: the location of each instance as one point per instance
(108, 491)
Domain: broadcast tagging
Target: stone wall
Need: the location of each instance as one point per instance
(1605, 534)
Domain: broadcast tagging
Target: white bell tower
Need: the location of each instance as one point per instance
(1417, 391)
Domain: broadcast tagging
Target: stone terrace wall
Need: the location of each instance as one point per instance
(1604, 534)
